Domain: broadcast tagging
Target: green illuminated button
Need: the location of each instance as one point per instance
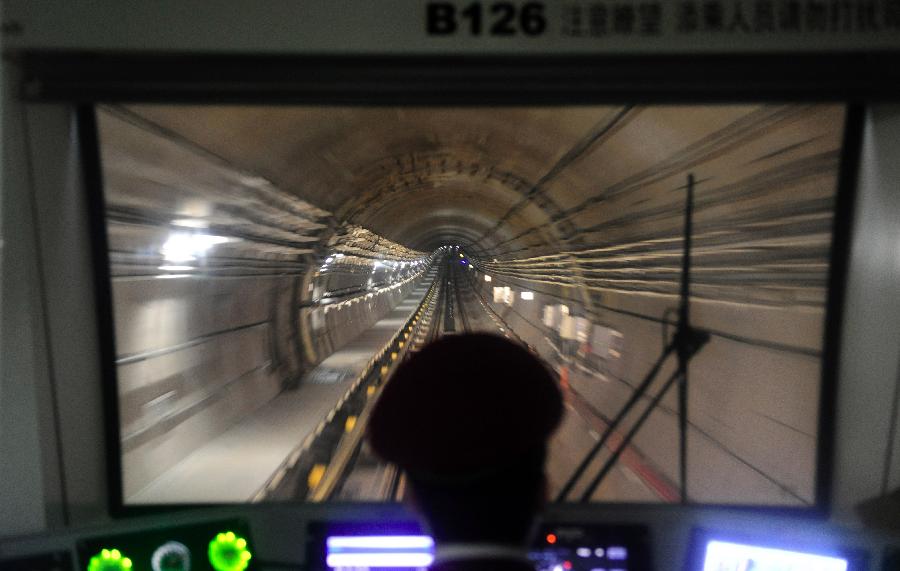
(228, 552)
(109, 560)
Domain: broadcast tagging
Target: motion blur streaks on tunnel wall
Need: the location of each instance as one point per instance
(764, 208)
(582, 206)
(363, 277)
(216, 288)
(421, 177)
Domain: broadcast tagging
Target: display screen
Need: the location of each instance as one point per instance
(379, 552)
(401, 545)
(417, 551)
(270, 266)
(726, 556)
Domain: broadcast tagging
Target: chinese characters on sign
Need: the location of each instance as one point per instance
(597, 18)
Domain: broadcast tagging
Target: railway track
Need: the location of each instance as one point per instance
(443, 312)
(338, 464)
(457, 291)
(362, 476)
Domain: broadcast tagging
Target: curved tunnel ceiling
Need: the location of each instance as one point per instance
(388, 169)
(586, 197)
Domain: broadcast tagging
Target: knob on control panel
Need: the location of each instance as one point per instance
(171, 556)
(207, 546)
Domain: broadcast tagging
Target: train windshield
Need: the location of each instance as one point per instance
(270, 266)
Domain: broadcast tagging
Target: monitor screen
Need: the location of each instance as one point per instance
(727, 556)
(269, 267)
(718, 550)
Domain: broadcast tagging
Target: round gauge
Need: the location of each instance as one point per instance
(171, 556)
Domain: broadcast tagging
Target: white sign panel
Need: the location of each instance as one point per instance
(408, 27)
(567, 327)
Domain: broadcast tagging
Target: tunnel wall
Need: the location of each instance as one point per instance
(753, 409)
(204, 342)
(196, 355)
(333, 326)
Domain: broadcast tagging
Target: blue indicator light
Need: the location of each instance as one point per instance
(367, 551)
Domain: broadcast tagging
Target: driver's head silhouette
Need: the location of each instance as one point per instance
(467, 419)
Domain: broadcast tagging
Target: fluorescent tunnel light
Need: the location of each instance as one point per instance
(184, 247)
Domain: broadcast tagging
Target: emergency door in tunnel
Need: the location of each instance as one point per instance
(271, 265)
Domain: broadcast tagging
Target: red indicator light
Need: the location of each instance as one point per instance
(567, 565)
(551, 538)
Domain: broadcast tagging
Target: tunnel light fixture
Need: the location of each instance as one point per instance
(503, 294)
(527, 295)
(187, 247)
(176, 268)
(190, 223)
(487, 278)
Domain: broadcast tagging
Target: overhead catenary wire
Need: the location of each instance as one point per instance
(685, 344)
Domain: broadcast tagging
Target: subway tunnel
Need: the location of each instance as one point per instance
(271, 266)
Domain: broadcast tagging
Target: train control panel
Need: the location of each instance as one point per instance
(266, 538)
(404, 545)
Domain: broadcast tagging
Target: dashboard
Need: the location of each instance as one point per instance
(259, 537)
(381, 538)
